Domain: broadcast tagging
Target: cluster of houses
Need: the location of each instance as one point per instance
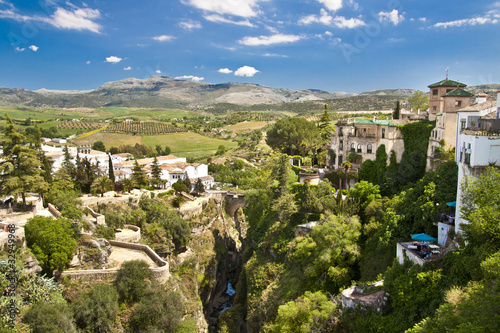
(172, 168)
(467, 123)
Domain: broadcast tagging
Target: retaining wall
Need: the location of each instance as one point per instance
(130, 238)
(161, 273)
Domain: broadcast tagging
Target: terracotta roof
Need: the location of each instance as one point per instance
(447, 83)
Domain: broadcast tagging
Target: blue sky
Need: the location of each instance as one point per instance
(334, 45)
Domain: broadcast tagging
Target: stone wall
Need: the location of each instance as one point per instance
(53, 210)
(130, 238)
(4, 234)
(99, 218)
(161, 273)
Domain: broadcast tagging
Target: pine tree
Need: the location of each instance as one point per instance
(138, 175)
(156, 173)
(20, 169)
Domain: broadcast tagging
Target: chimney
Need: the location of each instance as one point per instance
(480, 98)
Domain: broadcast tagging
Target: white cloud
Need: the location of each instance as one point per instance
(343, 23)
(220, 19)
(423, 19)
(33, 48)
(246, 71)
(225, 71)
(332, 5)
(323, 18)
(74, 18)
(113, 59)
(87, 62)
(269, 40)
(20, 49)
(128, 68)
(328, 33)
(190, 77)
(163, 38)
(393, 17)
(190, 25)
(242, 8)
(275, 55)
(480, 20)
(158, 71)
(77, 19)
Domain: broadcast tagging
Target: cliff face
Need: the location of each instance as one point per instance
(211, 261)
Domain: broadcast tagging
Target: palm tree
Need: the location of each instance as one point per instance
(129, 184)
(102, 184)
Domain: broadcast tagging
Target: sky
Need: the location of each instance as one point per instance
(332, 45)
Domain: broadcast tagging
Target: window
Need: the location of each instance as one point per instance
(458, 104)
(353, 148)
(359, 148)
(383, 133)
(340, 160)
(369, 149)
(434, 92)
(341, 144)
(434, 108)
(463, 124)
(448, 90)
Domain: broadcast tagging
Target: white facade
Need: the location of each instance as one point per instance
(477, 148)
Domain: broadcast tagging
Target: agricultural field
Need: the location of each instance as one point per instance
(182, 144)
(85, 125)
(246, 126)
(144, 128)
(188, 144)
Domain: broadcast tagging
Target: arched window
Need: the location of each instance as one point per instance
(369, 148)
(359, 148)
(353, 148)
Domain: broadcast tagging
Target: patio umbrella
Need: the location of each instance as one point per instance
(423, 238)
(451, 204)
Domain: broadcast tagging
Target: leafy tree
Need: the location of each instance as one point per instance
(66, 201)
(366, 192)
(133, 279)
(167, 150)
(220, 150)
(308, 201)
(45, 317)
(159, 311)
(156, 173)
(288, 134)
(96, 309)
(419, 101)
(102, 184)
(238, 164)
(308, 313)
(397, 110)
(179, 186)
(99, 145)
(328, 255)
(51, 240)
(481, 208)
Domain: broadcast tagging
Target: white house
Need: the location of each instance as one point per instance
(477, 145)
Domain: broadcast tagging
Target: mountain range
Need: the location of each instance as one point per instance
(167, 92)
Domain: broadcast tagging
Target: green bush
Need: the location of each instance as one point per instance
(133, 279)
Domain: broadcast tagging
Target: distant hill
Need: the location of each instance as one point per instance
(167, 92)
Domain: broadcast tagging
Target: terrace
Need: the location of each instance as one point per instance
(419, 252)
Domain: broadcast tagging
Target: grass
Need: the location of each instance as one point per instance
(247, 126)
(182, 144)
